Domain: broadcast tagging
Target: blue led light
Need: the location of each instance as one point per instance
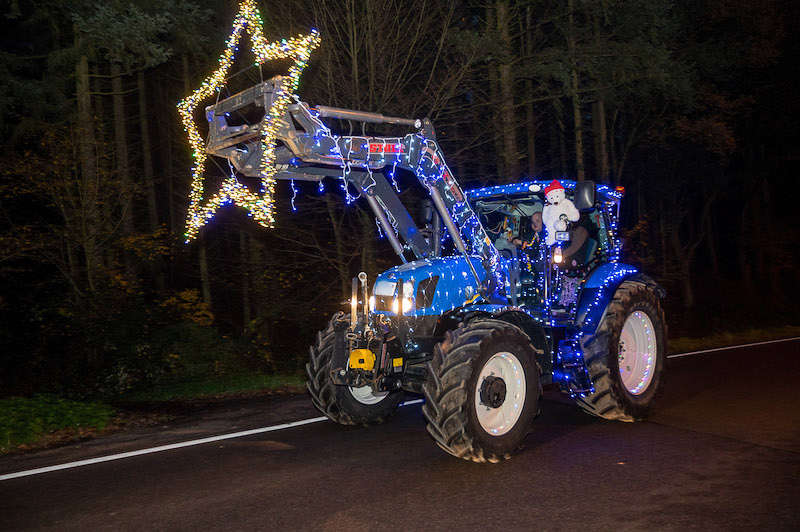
(294, 194)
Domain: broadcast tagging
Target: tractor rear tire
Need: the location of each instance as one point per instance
(483, 390)
(343, 404)
(626, 356)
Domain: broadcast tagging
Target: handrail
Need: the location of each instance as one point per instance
(363, 116)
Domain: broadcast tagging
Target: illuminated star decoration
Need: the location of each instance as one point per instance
(259, 206)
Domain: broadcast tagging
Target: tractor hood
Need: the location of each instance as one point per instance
(430, 286)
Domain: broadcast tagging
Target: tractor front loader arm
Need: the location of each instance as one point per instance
(308, 150)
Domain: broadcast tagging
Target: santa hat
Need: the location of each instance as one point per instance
(554, 185)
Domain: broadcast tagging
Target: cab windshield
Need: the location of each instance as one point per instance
(512, 222)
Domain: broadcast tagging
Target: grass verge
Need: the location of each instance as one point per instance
(217, 387)
(26, 421)
(44, 420)
(685, 344)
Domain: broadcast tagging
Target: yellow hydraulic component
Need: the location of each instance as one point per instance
(397, 362)
(362, 359)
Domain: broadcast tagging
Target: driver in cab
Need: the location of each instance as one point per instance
(523, 234)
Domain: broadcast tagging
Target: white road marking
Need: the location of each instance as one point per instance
(282, 426)
(160, 448)
(732, 347)
(129, 454)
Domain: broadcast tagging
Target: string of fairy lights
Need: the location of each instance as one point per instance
(259, 206)
(415, 152)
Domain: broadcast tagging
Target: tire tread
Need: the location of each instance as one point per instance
(607, 399)
(448, 372)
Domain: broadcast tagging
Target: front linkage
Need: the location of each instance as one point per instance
(371, 348)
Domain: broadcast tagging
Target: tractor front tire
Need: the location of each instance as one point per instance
(626, 356)
(483, 390)
(343, 404)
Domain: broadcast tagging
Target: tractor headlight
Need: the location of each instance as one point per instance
(372, 303)
(408, 304)
(408, 300)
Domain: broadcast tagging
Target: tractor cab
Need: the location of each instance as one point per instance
(540, 276)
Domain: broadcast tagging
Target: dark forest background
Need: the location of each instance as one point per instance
(690, 105)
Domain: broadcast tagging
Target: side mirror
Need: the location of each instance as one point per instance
(584, 196)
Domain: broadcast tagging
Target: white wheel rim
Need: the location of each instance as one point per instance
(637, 352)
(366, 396)
(500, 420)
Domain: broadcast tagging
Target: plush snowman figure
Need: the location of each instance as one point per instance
(558, 211)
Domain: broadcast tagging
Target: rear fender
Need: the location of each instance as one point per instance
(599, 290)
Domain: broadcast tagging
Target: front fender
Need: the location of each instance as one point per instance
(599, 290)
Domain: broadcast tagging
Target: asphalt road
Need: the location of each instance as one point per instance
(722, 452)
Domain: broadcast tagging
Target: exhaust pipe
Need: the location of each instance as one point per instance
(365, 294)
(354, 305)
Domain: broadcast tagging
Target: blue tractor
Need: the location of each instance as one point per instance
(479, 329)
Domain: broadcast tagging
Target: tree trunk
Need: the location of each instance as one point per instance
(743, 246)
(662, 230)
(164, 138)
(685, 253)
(684, 262)
(530, 122)
(108, 257)
(758, 221)
(596, 139)
(121, 150)
(599, 115)
(686, 279)
(88, 157)
(601, 138)
(73, 270)
(611, 149)
(156, 270)
(352, 22)
(494, 99)
(711, 243)
(530, 116)
(244, 255)
(257, 264)
(147, 155)
(576, 115)
(508, 117)
(480, 165)
(121, 163)
(562, 140)
(205, 282)
(778, 258)
(574, 95)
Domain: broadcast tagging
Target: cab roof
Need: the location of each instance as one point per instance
(604, 192)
